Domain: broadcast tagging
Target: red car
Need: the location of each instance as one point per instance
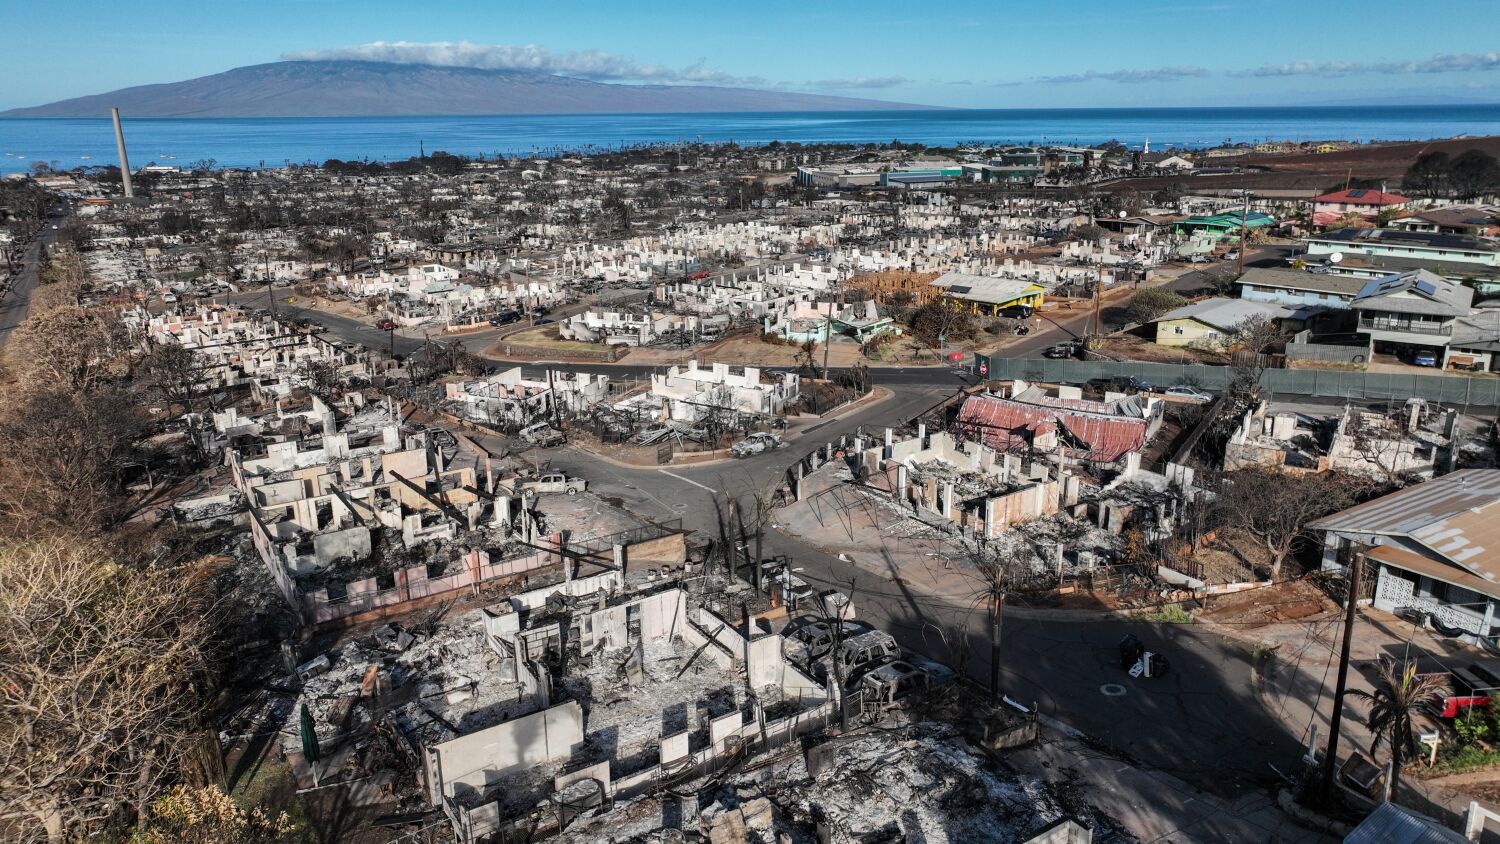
(700, 276)
(386, 325)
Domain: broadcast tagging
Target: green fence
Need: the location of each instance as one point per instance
(1444, 389)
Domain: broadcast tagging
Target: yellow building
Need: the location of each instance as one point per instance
(1211, 323)
(982, 294)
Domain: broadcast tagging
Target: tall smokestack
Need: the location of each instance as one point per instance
(124, 159)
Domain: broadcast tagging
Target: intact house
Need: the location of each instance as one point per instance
(1339, 206)
(1212, 323)
(1479, 222)
(1433, 548)
(1294, 288)
(1369, 250)
(988, 294)
(1228, 225)
(1412, 313)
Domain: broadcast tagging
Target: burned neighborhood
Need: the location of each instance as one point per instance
(778, 493)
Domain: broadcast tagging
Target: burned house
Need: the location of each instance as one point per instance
(1028, 419)
(631, 684)
(982, 491)
(1408, 443)
(510, 401)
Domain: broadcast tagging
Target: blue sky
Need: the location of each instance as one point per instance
(995, 54)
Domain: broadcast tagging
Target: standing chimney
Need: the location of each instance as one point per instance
(124, 160)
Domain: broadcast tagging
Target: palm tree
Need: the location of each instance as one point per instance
(1400, 695)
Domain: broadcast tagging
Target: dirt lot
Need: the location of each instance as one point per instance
(1315, 171)
(1290, 600)
(1133, 347)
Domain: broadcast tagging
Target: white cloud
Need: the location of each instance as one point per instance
(867, 82)
(1442, 63)
(1160, 74)
(584, 64)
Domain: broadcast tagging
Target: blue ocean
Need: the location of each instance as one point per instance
(252, 142)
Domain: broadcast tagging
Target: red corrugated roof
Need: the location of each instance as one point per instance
(1356, 196)
(1008, 425)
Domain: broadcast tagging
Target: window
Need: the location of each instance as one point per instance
(1213, 335)
(1177, 329)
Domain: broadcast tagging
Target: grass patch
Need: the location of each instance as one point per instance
(1169, 614)
(1466, 759)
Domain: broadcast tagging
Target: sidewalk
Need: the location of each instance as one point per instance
(1154, 806)
(1296, 682)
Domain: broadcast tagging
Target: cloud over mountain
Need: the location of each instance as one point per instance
(596, 65)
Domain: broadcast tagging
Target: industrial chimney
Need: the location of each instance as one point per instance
(124, 159)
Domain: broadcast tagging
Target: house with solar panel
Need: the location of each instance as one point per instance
(1412, 315)
(1356, 204)
(1432, 548)
(983, 294)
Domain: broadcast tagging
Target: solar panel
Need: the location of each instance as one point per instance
(1355, 194)
(1426, 287)
(959, 288)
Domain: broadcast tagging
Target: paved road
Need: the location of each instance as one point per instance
(16, 303)
(1185, 723)
(1201, 722)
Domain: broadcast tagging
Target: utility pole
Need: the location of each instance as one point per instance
(1098, 323)
(552, 400)
(265, 264)
(997, 605)
(827, 337)
(1351, 601)
(1244, 212)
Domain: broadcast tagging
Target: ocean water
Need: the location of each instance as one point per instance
(250, 142)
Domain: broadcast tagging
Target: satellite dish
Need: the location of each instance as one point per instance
(1335, 257)
(1122, 215)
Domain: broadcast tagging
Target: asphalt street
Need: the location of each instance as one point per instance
(1063, 661)
(17, 301)
(1202, 722)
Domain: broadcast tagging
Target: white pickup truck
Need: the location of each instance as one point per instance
(555, 482)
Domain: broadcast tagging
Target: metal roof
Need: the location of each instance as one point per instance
(1454, 516)
(986, 289)
(1225, 314)
(1362, 196)
(1007, 425)
(1299, 280)
(1392, 824)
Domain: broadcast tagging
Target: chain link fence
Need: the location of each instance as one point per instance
(1378, 386)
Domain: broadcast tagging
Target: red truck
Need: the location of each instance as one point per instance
(1468, 686)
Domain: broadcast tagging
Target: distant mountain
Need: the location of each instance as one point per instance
(368, 89)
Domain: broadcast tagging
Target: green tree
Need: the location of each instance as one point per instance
(1151, 303)
(1428, 175)
(940, 320)
(1474, 172)
(1399, 696)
